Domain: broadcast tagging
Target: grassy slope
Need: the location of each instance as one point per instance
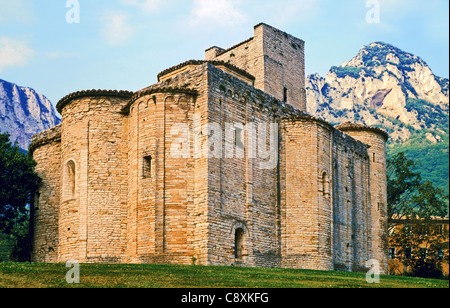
(26, 275)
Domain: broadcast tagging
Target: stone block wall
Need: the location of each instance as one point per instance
(275, 58)
(168, 205)
(94, 200)
(243, 184)
(284, 66)
(376, 140)
(351, 205)
(306, 210)
(161, 178)
(47, 198)
(326, 205)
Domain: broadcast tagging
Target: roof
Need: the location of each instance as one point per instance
(154, 90)
(359, 127)
(215, 63)
(91, 93)
(234, 46)
(48, 136)
(307, 117)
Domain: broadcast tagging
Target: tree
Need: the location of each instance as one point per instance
(413, 206)
(409, 196)
(18, 182)
(402, 183)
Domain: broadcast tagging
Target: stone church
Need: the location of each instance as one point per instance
(217, 163)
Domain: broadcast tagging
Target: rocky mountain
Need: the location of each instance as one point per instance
(386, 87)
(24, 113)
(382, 86)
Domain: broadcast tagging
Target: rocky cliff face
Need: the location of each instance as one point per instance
(386, 87)
(24, 113)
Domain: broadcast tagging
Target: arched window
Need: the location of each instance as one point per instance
(69, 180)
(239, 244)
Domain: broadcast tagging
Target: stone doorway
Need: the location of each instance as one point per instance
(239, 241)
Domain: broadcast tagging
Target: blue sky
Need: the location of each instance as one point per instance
(124, 44)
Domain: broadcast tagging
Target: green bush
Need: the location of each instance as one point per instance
(427, 269)
(378, 54)
(352, 71)
(431, 114)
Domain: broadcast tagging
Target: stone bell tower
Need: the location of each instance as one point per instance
(275, 58)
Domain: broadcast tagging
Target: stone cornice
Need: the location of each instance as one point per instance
(358, 127)
(200, 62)
(91, 93)
(45, 137)
(235, 46)
(150, 91)
(306, 117)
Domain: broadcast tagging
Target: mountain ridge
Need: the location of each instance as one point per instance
(24, 113)
(386, 87)
(379, 83)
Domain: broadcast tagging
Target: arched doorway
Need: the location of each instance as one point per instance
(239, 244)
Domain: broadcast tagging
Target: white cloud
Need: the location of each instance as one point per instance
(222, 12)
(115, 30)
(146, 5)
(14, 53)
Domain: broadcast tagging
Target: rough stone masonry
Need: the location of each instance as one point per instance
(216, 164)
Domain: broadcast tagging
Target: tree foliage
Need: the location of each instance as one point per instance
(414, 205)
(18, 182)
(422, 245)
(409, 196)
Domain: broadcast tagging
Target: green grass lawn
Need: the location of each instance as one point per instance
(33, 275)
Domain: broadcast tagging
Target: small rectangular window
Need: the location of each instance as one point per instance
(285, 95)
(392, 253)
(239, 138)
(147, 168)
(408, 253)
